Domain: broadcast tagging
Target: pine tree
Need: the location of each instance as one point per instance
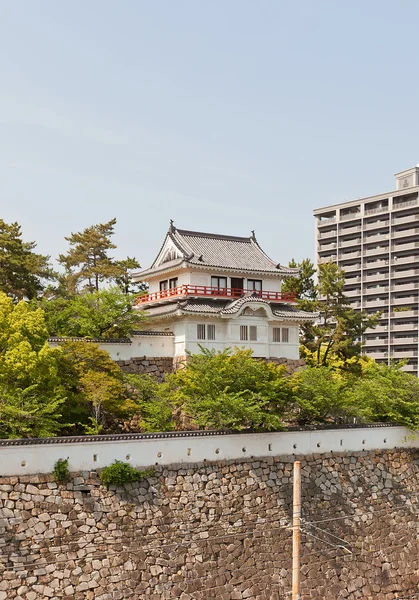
(87, 261)
(22, 271)
(124, 280)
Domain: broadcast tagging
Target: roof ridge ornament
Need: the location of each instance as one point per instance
(253, 236)
(172, 227)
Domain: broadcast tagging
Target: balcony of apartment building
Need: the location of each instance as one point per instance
(410, 259)
(404, 341)
(406, 233)
(404, 326)
(376, 237)
(328, 234)
(354, 304)
(326, 219)
(377, 342)
(350, 215)
(405, 300)
(377, 224)
(354, 242)
(345, 230)
(349, 254)
(404, 246)
(353, 293)
(376, 276)
(400, 273)
(403, 312)
(377, 303)
(402, 218)
(376, 208)
(327, 247)
(405, 201)
(376, 263)
(404, 287)
(351, 268)
(379, 249)
(377, 354)
(352, 279)
(406, 352)
(326, 259)
(382, 328)
(375, 290)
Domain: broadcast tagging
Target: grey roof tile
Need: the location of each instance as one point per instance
(219, 251)
(223, 307)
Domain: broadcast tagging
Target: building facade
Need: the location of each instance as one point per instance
(375, 240)
(217, 291)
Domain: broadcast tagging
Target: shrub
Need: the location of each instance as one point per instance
(61, 471)
(120, 473)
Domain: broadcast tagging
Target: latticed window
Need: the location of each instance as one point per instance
(276, 334)
(200, 333)
(211, 332)
(285, 335)
(253, 333)
(244, 336)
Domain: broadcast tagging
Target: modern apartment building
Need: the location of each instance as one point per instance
(375, 241)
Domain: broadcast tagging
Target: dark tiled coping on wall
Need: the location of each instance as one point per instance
(174, 434)
(98, 340)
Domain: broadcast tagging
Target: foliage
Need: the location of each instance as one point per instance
(120, 473)
(230, 390)
(336, 334)
(402, 308)
(27, 413)
(22, 270)
(97, 396)
(321, 396)
(302, 286)
(124, 280)
(87, 262)
(31, 396)
(61, 471)
(106, 313)
(154, 410)
(385, 393)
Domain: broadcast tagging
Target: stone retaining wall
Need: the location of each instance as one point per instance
(217, 530)
(156, 367)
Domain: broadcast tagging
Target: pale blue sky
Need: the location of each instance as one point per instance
(225, 115)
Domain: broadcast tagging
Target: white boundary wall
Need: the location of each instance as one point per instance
(85, 456)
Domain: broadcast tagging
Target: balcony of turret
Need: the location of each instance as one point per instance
(202, 291)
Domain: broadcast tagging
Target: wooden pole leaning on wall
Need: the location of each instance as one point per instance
(296, 524)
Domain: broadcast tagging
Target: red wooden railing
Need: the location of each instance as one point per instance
(207, 291)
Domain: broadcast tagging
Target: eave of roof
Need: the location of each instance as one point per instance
(224, 308)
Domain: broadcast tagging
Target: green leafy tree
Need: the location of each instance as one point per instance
(154, 410)
(106, 313)
(23, 272)
(385, 393)
(87, 261)
(31, 394)
(321, 396)
(98, 399)
(231, 390)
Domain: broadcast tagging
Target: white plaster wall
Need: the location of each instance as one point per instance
(151, 345)
(115, 350)
(31, 459)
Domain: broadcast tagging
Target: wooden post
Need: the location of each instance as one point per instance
(296, 520)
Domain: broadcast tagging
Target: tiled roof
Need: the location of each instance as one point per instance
(225, 307)
(288, 311)
(158, 333)
(218, 251)
(94, 340)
